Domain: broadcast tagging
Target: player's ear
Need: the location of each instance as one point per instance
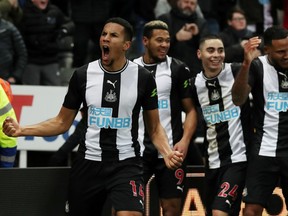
(266, 49)
(127, 45)
(199, 54)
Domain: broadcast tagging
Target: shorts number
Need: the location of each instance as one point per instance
(179, 174)
(226, 191)
(134, 189)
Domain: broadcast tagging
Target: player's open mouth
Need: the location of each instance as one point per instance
(105, 52)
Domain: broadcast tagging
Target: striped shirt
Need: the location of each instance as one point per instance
(270, 101)
(172, 79)
(225, 136)
(113, 101)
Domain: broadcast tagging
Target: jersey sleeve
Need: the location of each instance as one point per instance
(184, 75)
(73, 98)
(150, 99)
(193, 91)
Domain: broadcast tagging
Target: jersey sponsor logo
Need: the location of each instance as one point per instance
(277, 101)
(163, 104)
(102, 118)
(213, 115)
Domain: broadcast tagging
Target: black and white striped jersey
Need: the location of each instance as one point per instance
(270, 101)
(225, 133)
(172, 80)
(113, 101)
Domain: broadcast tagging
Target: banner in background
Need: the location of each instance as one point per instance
(34, 104)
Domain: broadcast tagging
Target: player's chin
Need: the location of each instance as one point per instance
(162, 57)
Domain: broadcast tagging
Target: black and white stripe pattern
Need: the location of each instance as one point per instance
(113, 101)
(171, 76)
(270, 100)
(224, 131)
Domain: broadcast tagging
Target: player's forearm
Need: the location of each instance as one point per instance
(241, 88)
(51, 127)
(190, 125)
(160, 140)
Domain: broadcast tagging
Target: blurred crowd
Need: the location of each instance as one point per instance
(42, 41)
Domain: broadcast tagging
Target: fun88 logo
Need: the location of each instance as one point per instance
(102, 118)
(163, 104)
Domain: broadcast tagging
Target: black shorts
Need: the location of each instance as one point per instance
(263, 176)
(224, 187)
(91, 182)
(170, 183)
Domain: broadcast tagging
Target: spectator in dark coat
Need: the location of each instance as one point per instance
(185, 28)
(11, 11)
(235, 35)
(12, 51)
(41, 26)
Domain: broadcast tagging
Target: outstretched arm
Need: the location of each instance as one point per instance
(173, 159)
(50, 127)
(241, 87)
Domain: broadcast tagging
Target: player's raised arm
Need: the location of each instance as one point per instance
(241, 88)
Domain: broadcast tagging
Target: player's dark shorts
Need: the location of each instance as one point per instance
(263, 176)
(170, 183)
(224, 187)
(92, 181)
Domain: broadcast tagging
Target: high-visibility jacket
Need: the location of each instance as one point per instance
(8, 145)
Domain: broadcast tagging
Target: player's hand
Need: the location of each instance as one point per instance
(11, 127)
(173, 160)
(250, 49)
(182, 147)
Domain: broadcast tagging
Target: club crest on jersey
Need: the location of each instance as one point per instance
(215, 95)
(284, 82)
(111, 96)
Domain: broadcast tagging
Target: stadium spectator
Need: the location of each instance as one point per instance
(108, 161)
(12, 51)
(185, 28)
(172, 78)
(11, 11)
(8, 145)
(41, 27)
(254, 12)
(235, 35)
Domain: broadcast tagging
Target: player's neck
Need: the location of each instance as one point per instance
(211, 73)
(116, 64)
